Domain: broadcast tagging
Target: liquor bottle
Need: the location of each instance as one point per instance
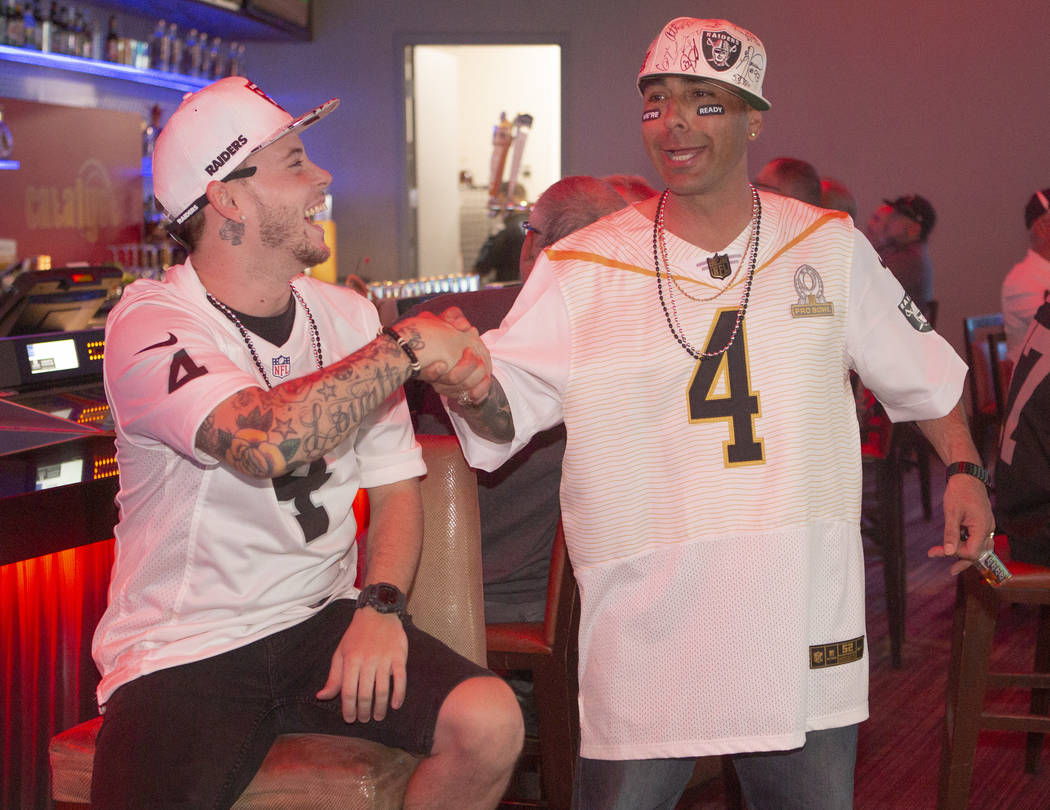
(4, 14)
(233, 61)
(241, 61)
(96, 40)
(191, 55)
(46, 26)
(160, 48)
(174, 48)
(204, 71)
(216, 67)
(78, 33)
(112, 41)
(16, 30)
(32, 34)
(62, 38)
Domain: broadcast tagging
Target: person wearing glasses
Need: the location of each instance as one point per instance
(519, 502)
(251, 403)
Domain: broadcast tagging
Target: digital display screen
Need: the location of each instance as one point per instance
(61, 474)
(52, 355)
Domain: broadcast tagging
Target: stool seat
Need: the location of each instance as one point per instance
(528, 638)
(300, 772)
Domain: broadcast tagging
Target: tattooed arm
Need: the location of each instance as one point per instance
(472, 391)
(491, 418)
(265, 434)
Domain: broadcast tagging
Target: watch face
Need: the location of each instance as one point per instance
(387, 595)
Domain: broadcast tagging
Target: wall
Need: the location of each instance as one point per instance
(891, 96)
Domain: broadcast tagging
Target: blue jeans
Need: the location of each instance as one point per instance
(817, 776)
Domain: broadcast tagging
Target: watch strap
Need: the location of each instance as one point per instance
(968, 468)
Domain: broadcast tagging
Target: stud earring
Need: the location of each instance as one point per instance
(244, 218)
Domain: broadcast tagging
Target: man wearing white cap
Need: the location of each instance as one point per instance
(251, 403)
(698, 348)
(1027, 285)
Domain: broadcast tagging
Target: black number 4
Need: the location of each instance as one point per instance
(735, 404)
(297, 487)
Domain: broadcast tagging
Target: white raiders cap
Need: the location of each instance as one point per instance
(211, 132)
(716, 50)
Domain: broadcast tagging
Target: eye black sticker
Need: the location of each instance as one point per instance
(650, 115)
(710, 109)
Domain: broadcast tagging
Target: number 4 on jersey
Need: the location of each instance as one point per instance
(720, 391)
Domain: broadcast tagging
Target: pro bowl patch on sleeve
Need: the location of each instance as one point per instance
(910, 310)
(822, 656)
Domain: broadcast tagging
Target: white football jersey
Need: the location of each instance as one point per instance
(712, 506)
(207, 559)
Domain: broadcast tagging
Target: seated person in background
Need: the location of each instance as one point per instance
(519, 502)
(835, 195)
(898, 230)
(632, 187)
(790, 177)
(251, 403)
(1022, 474)
(497, 259)
(1027, 285)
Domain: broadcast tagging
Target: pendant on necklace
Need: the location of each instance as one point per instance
(718, 266)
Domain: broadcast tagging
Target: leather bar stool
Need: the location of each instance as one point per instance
(318, 771)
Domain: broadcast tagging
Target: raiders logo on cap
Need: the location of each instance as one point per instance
(721, 49)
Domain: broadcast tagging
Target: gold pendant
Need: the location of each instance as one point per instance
(718, 266)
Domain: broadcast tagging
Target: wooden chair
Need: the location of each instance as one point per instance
(322, 771)
(1002, 369)
(548, 650)
(986, 412)
(883, 510)
(976, 606)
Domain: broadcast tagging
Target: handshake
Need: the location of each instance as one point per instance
(452, 356)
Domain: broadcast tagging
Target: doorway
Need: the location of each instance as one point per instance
(455, 96)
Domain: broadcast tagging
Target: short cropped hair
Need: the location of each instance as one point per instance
(570, 204)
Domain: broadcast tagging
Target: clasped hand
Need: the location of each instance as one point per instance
(454, 359)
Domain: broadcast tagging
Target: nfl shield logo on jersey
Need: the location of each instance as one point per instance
(282, 366)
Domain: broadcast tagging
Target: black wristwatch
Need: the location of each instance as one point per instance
(969, 468)
(384, 598)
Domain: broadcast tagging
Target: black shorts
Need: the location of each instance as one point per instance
(197, 733)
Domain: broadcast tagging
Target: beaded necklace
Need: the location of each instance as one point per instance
(660, 249)
(315, 335)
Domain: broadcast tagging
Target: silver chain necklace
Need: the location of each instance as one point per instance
(315, 336)
(660, 247)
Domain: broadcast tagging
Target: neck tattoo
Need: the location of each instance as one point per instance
(671, 314)
(315, 336)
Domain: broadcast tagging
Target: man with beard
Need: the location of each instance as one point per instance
(251, 403)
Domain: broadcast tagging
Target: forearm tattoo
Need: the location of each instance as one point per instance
(266, 433)
(491, 419)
